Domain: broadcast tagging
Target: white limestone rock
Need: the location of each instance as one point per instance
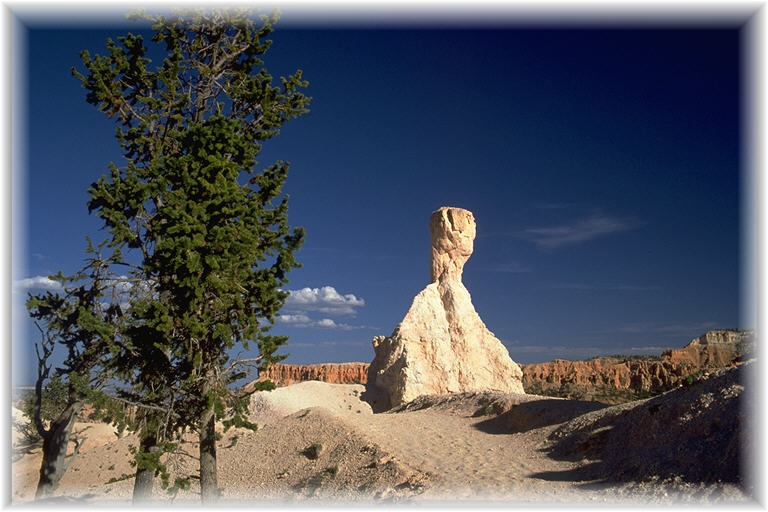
(442, 345)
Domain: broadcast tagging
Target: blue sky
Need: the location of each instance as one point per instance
(603, 167)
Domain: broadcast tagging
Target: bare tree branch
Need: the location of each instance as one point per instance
(43, 370)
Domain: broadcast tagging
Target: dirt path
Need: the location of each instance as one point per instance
(468, 462)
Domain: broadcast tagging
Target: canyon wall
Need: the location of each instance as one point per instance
(714, 349)
(335, 373)
(608, 379)
(620, 379)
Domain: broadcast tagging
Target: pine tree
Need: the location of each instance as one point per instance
(209, 228)
(84, 320)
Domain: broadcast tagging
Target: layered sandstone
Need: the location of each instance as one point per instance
(604, 378)
(442, 346)
(333, 373)
(608, 379)
(714, 349)
(599, 378)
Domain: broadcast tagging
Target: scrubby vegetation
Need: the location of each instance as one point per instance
(313, 451)
(608, 394)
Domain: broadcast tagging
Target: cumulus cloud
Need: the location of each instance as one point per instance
(294, 319)
(327, 323)
(37, 284)
(304, 321)
(579, 231)
(117, 290)
(323, 300)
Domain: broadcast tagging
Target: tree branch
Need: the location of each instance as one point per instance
(43, 371)
(145, 406)
(241, 362)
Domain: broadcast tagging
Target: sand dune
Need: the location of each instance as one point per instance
(471, 446)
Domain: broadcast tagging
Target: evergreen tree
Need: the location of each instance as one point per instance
(210, 229)
(84, 321)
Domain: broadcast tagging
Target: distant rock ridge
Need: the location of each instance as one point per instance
(441, 345)
(334, 373)
(609, 379)
(714, 349)
(618, 379)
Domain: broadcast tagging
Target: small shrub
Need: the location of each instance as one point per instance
(332, 470)
(693, 377)
(313, 451)
(54, 400)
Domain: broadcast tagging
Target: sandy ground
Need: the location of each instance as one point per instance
(466, 448)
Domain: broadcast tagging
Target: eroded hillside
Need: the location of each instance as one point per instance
(612, 380)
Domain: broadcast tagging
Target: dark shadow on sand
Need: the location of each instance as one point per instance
(687, 435)
(536, 414)
(376, 398)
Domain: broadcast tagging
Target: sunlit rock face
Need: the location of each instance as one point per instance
(333, 373)
(714, 349)
(442, 345)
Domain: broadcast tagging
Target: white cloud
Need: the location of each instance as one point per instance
(117, 290)
(305, 322)
(37, 283)
(122, 285)
(324, 300)
(327, 323)
(579, 231)
(294, 319)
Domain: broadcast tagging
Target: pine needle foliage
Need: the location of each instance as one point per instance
(83, 321)
(209, 226)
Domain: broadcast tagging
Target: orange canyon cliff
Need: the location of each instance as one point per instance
(608, 379)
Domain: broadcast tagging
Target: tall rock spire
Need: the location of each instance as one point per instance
(442, 345)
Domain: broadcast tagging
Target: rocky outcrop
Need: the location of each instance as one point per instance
(692, 434)
(334, 373)
(442, 346)
(714, 349)
(607, 379)
(603, 378)
(618, 379)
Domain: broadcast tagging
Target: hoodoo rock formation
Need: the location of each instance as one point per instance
(442, 345)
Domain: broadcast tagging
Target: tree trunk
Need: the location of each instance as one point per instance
(209, 487)
(145, 476)
(55, 441)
